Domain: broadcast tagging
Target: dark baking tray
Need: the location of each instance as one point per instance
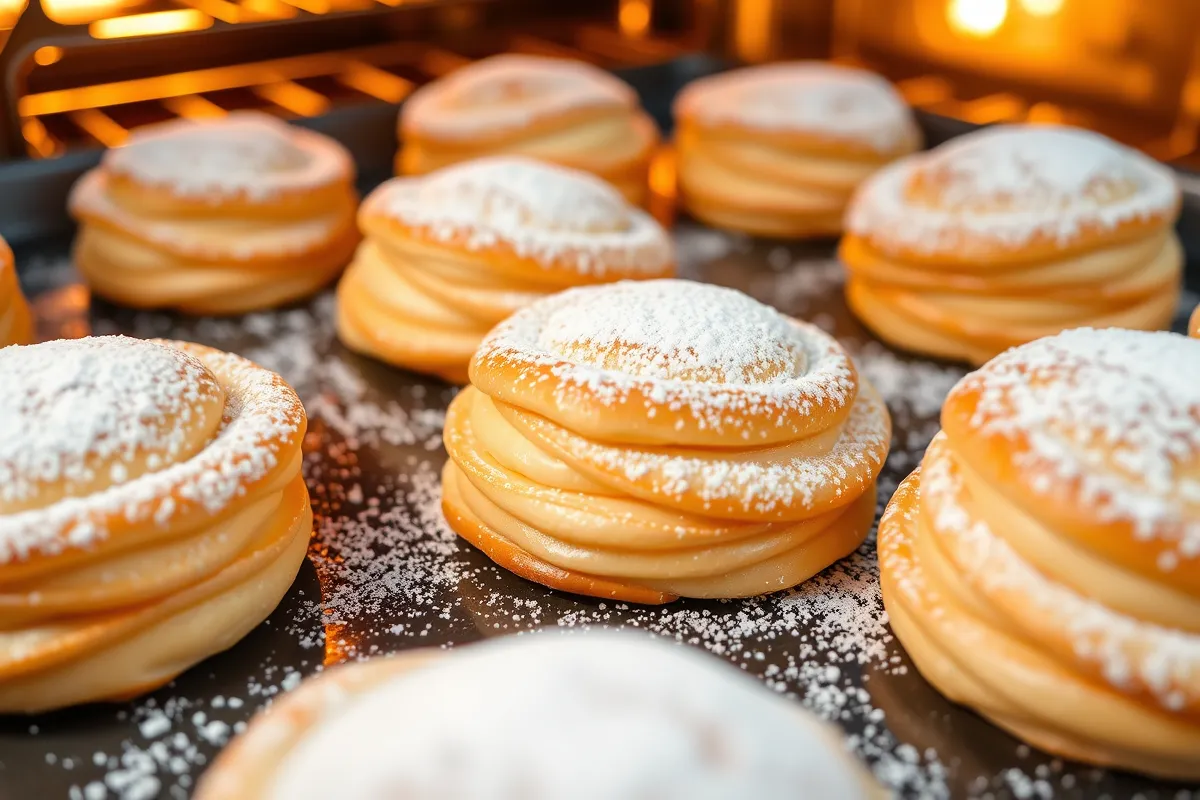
(386, 575)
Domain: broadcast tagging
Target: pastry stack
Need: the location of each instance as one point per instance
(1009, 234)
(556, 110)
(216, 216)
(661, 439)
(778, 150)
(1043, 565)
(450, 254)
(152, 513)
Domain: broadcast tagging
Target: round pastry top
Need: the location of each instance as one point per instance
(68, 408)
(510, 92)
(246, 154)
(1009, 186)
(560, 715)
(811, 97)
(700, 360)
(1114, 414)
(104, 433)
(541, 212)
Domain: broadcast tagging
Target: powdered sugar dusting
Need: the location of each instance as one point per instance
(244, 153)
(1116, 411)
(1007, 185)
(509, 92)
(815, 97)
(544, 212)
(597, 715)
(65, 405)
(677, 330)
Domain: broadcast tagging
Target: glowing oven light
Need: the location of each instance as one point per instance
(980, 18)
(1042, 8)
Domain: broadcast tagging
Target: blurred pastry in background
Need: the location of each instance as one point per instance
(651, 440)
(1010, 234)
(216, 216)
(152, 513)
(557, 110)
(585, 715)
(450, 254)
(1042, 567)
(16, 321)
(1194, 325)
(778, 150)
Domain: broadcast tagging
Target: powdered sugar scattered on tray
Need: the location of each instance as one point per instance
(550, 214)
(813, 97)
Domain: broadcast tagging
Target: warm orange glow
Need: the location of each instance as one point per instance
(101, 126)
(75, 12)
(752, 29)
(41, 143)
(1042, 8)
(152, 24)
(294, 97)
(375, 82)
(634, 17)
(45, 56)
(217, 9)
(9, 11)
(194, 107)
(980, 18)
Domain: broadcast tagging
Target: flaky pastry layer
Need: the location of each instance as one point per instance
(1007, 616)
(108, 591)
(971, 311)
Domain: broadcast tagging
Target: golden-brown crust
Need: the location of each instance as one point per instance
(1194, 326)
(16, 320)
(949, 253)
(177, 563)
(723, 470)
(445, 258)
(562, 112)
(265, 216)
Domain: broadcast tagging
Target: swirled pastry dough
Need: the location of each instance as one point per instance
(592, 716)
(216, 216)
(561, 111)
(450, 254)
(777, 150)
(1043, 565)
(152, 513)
(657, 439)
(16, 322)
(1013, 233)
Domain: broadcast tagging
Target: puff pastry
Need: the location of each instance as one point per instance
(777, 150)
(651, 440)
(561, 111)
(16, 322)
(1013, 233)
(216, 216)
(152, 512)
(450, 254)
(588, 716)
(1043, 565)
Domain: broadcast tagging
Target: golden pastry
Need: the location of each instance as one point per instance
(660, 439)
(1043, 565)
(152, 513)
(216, 216)
(589, 715)
(1009, 234)
(1194, 326)
(16, 322)
(561, 111)
(777, 150)
(449, 255)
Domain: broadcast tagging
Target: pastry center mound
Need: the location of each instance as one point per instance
(677, 330)
(1025, 169)
(514, 195)
(71, 409)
